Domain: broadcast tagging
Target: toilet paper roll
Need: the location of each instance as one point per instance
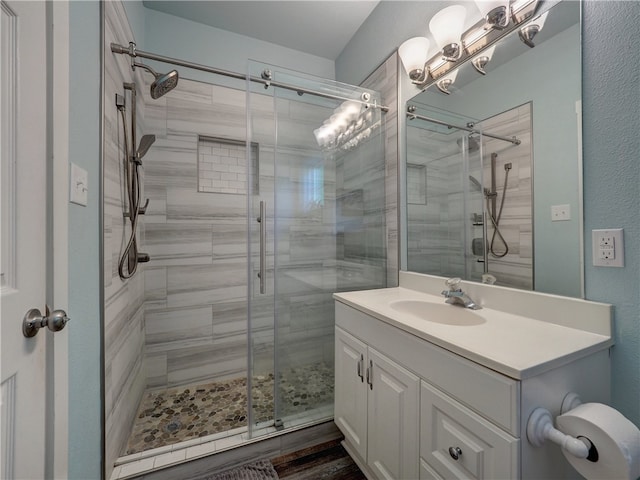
(615, 438)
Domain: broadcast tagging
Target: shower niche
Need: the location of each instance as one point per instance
(469, 195)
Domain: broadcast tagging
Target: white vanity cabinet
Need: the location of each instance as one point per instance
(377, 408)
(410, 409)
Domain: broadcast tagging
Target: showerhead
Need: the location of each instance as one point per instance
(164, 82)
(472, 143)
(145, 143)
(475, 182)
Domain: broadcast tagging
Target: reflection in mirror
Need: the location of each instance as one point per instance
(469, 217)
(480, 206)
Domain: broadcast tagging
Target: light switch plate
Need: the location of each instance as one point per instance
(78, 185)
(608, 247)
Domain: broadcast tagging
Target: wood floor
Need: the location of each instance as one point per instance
(328, 461)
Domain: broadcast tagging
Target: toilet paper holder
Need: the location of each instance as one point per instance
(540, 429)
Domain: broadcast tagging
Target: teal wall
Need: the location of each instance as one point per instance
(176, 37)
(611, 108)
(136, 14)
(84, 240)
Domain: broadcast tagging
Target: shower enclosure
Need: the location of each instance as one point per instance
(254, 219)
(469, 195)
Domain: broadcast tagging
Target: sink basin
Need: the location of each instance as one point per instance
(438, 312)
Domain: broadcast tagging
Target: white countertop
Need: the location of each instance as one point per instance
(512, 344)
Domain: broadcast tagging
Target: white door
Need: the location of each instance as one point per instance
(29, 401)
(351, 390)
(393, 422)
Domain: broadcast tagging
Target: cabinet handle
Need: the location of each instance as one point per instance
(360, 365)
(455, 452)
(370, 374)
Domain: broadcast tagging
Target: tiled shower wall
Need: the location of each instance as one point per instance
(123, 310)
(195, 283)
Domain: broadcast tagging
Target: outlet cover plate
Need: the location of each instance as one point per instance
(560, 213)
(78, 185)
(608, 247)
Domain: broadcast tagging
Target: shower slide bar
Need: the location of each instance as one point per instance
(265, 79)
(412, 115)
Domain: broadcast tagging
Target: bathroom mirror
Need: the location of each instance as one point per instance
(455, 187)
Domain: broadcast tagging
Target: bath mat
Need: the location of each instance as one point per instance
(260, 470)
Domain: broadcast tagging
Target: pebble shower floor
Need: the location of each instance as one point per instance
(183, 413)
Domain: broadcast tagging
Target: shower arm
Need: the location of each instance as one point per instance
(133, 52)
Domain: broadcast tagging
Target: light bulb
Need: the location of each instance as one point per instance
(413, 54)
(446, 25)
(350, 110)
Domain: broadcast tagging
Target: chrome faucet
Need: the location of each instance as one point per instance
(455, 295)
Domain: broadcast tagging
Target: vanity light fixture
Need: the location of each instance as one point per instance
(350, 124)
(500, 18)
(494, 12)
(445, 83)
(529, 31)
(480, 61)
(446, 27)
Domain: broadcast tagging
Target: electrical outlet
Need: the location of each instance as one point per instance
(608, 247)
(560, 213)
(78, 185)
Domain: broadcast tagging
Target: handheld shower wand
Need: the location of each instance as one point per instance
(492, 195)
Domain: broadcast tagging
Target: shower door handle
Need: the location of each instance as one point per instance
(262, 220)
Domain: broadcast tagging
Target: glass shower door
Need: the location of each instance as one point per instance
(445, 227)
(324, 228)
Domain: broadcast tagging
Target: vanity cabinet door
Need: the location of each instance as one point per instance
(393, 405)
(458, 443)
(351, 390)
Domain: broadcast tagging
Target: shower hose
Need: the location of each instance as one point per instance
(132, 184)
(495, 220)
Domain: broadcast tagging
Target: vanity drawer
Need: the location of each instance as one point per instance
(489, 393)
(449, 429)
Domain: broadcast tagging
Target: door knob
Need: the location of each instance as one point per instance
(34, 321)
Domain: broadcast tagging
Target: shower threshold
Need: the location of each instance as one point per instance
(133, 465)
